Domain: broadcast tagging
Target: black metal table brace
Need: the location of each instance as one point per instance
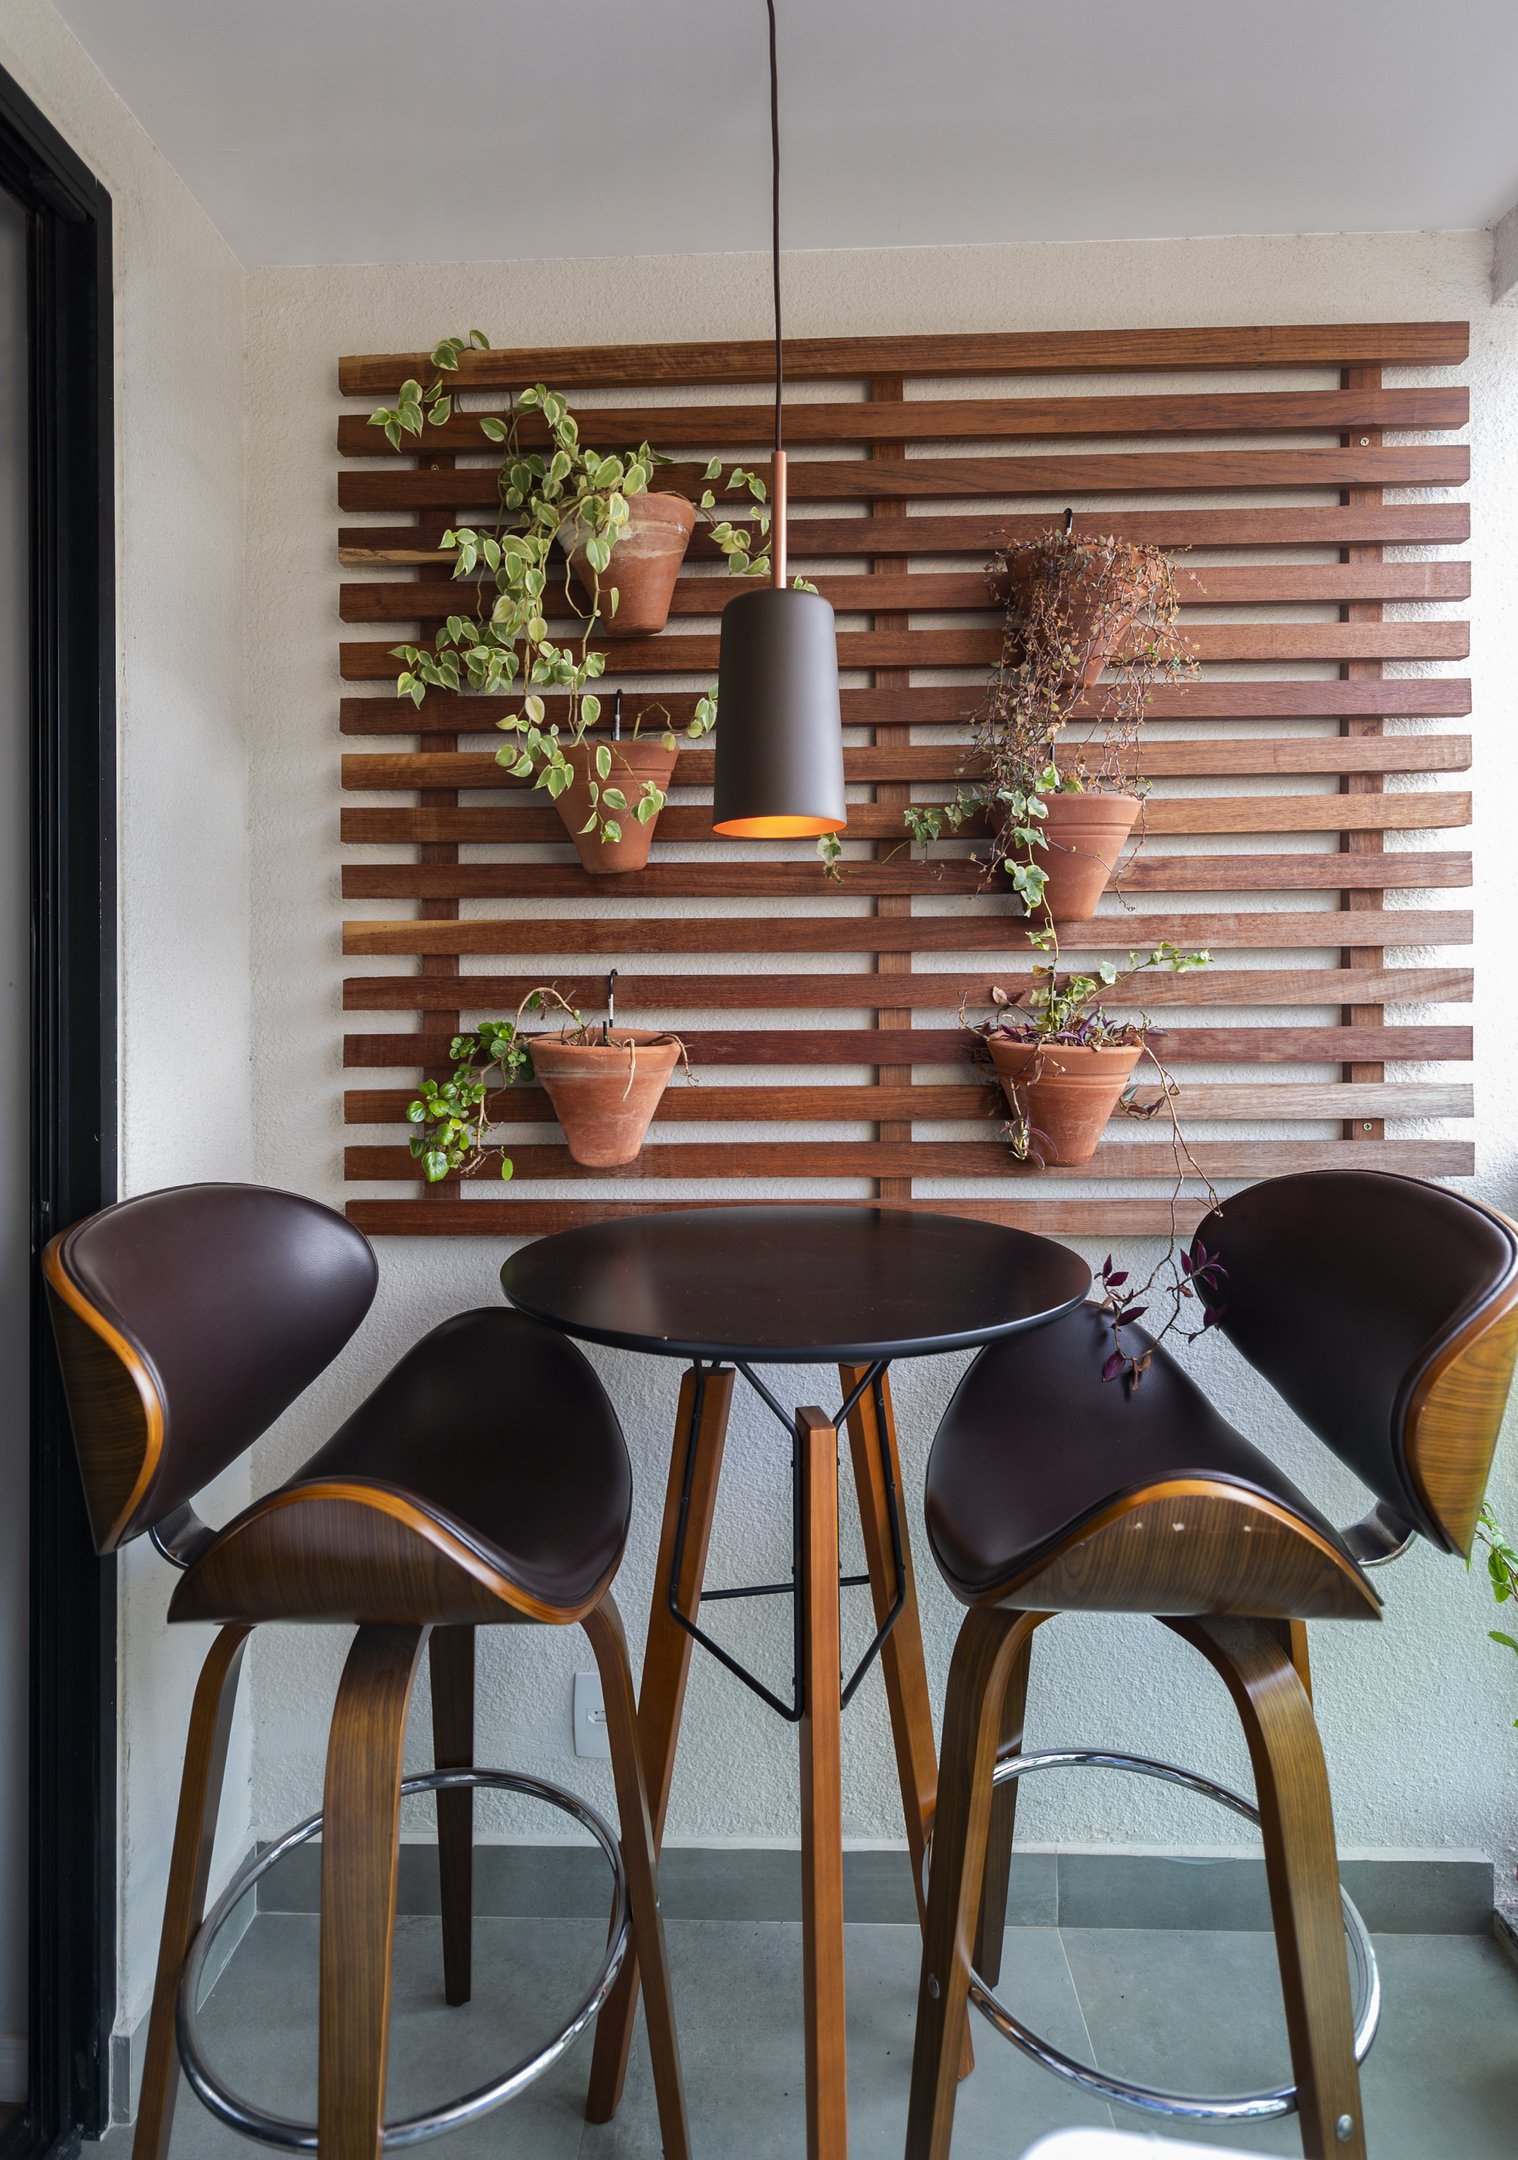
(794, 1710)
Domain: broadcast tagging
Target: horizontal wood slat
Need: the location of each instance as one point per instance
(1018, 352)
(1429, 697)
(1399, 524)
(1293, 930)
(370, 660)
(897, 482)
(1184, 814)
(937, 479)
(1291, 1101)
(1151, 871)
(750, 428)
(946, 1159)
(518, 1218)
(925, 991)
(1264, 1045)
(922, 591)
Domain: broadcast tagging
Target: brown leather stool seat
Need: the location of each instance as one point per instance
(484, 1481)
(1383, 1312)
(1042, 1471)
(489, 1455)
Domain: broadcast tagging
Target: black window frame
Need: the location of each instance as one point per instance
(71, 1946)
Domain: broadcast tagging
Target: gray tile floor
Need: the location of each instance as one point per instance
(1197, 2009)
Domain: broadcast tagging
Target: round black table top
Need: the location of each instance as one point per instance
(794, 1285)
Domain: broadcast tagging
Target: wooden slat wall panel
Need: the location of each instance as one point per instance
(1297, 755)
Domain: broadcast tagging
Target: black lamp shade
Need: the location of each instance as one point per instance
(779, 728)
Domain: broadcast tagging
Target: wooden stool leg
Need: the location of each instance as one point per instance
(991, 1646)
(661, 1699)
(205, 1762)
(1255, 1659)
(992, 1919)
(604, 1627)
(450, 1654)
(875, 1454)
(822, 1795)
(359, 1851)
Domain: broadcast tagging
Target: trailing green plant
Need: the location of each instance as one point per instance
(1072, 606)
(453, 1117)
(500, 644)
(1066, 1011)
(1501, 1569)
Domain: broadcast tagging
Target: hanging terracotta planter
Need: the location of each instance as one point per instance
(644, 564)
(1085, 835)
(633, 764)
(604, 1094)
(1066, 1091)
(1081, 591)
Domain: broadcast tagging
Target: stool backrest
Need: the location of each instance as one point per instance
(186, 1321)
(1385, 1311)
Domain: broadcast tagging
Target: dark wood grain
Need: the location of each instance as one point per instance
(978, 533)
(968, 1101)
(1297, 930)
(360, 1833)
(992, 1650)
(947, 1046)
(609, 1643)
(929, 990)
(938, 479)
(1301, 1865)
(666, 1668)
(955, 353)
(373, 660)
(1232, 585)
(205, 1763)
(825, 2008)
(782, 1159)
(451, 1658)
(750, 428)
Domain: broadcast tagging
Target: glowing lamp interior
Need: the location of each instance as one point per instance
(777, 828)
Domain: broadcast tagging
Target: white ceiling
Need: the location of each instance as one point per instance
(394, 131)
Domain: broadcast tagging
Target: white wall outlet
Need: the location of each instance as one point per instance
(591, 1734)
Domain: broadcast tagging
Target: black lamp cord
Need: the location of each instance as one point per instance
(775, 217)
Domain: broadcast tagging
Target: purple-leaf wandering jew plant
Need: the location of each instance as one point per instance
(1201, 1281)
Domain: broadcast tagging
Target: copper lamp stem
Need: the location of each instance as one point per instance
(777, 521)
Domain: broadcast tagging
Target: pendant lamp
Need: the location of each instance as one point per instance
(779, 728)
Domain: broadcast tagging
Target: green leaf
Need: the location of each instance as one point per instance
(435, 1164)
(507, 1168)
(603, 761)
(493, 428)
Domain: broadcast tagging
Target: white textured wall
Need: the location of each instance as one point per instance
(185, 1109)
(1416, 1712)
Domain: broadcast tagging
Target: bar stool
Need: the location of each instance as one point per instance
(1385, 1312)
(484, 1482)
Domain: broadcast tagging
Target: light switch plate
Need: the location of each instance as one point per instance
(591, 1735)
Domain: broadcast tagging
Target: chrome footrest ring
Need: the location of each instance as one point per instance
(1264, 2106)
(290, 2136)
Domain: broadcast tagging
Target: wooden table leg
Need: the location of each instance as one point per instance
(827, 2135)
(902, 1664)
(666, 1664)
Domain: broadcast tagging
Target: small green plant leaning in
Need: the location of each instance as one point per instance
(451, 1117)
(1501, 1568)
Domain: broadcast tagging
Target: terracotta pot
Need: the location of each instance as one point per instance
(1085, 834)
(1073, 1097)
(644, 565)
(632, 763)
(603, 1097)
(1081, 606)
